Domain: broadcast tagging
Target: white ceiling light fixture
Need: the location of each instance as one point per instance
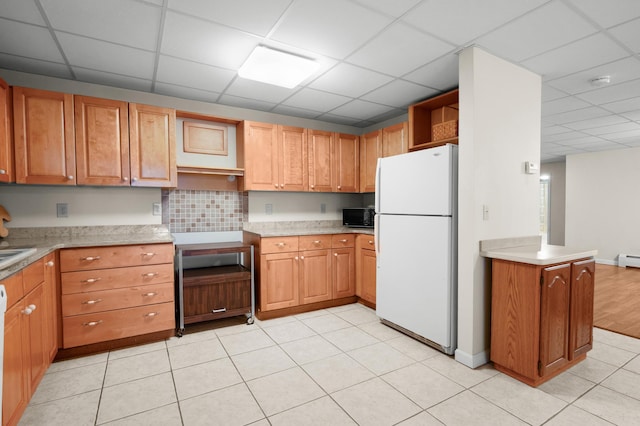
(600, 81)
(277, 67)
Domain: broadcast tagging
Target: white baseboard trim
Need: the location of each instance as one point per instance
(607, 262)
(472, 361)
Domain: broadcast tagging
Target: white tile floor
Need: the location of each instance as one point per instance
(338, 366)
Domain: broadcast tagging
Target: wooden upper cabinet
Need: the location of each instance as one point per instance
(6, 144)
(258, 154)
(152, 146)
(292, 158)
(370, 151)
(102, 141)
(320, 161)
(395, 139)
(43, 136)
(346, 163)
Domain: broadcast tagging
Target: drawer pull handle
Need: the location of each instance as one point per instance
(91, 302)
(149, 254)
(151, 314)
(316, 241)
(279, 244)
(90, 280)
(216, 311)
(150, 294)
(343, 241)
(90, 258)
(150, 274)
(92, 323)
(370, 242)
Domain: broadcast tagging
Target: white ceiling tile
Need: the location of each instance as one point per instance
(631, 104)
(584, 139)
(614, 130)
(340, 119)
(632, 115)
(554, 148)
(553, 130)
(115, 80)
(34, 66)
(190, 38)
(190, 74)
(350, 80)
(612, 93)
(619, 71)
(441, 74)
(563, 105)
(264, 14)
(28, 41)
(549, 93)
(361, 109)
(119, 21)
(630, 142)
(98, 55)
(629, 34)
(262, 92)
(315, 100)
(319, 27)
(577, 56)
(635, 133)
(21, 10)
(599, 122)
(399, 93)
(610, 12)
(247, 103)
(559, 137)
(295, 111)
(543, 29)
(185, 92)
(577, 115)
(396, 8)
(393, 51)
(460, 21)
(601, 146)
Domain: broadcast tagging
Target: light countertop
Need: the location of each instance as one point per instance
(529, 250)
(296, 228)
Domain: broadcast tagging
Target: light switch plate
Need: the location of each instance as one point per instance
(157, 209)
(62, 210)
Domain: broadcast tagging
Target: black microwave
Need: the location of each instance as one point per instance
(358, 217)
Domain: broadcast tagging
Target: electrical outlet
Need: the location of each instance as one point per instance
(323, 208)
(268, 209)
(485, 212)
(157, 209)
(62, 210)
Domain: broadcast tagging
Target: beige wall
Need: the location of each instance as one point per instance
(500, 107)
(557, 189)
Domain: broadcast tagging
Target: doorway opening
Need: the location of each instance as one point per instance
(544, 207)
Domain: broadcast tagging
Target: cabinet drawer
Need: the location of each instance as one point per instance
(33, 275)
(14, 289)
(109, 300)
(314, 242)
(104, 326)
(367, 242)
(278, 245)
(105, 279)
(220, 299)
(81, 259)
(343, 240)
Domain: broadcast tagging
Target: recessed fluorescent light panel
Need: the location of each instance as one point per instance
(276, 67)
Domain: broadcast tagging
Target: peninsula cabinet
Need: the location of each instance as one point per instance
(541, 317)
(6, 142)
(43, 137)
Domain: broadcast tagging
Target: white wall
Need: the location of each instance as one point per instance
(500, 106)
(557, 190)
(603, 202)
(299, 206)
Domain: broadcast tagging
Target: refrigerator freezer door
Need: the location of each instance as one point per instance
(417, 183)
(415, 275)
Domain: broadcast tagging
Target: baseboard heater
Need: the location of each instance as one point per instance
(632, 260)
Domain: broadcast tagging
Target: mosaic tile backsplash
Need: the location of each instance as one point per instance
(185, 210)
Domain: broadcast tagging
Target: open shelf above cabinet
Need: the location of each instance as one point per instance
(434, 122)
(206, 178)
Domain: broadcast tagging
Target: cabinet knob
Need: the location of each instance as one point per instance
(92, 323)
(301, 257)
(91, 302)
(296, 258)
(370, 242)
(316, 241)
(32, 307)
(150, 294)
(150, 274)
(50, 263)
(279, 244)
(90, 280)
(149, 254)
(90, 258)
(27, 311)
(335, 254)
(339, 187)
(3, 172)
(70, 177)
(134, 179)
(313, 186)
(151, 314)
(282, 185)
(276, 185)
(126, 179)
(342, 241)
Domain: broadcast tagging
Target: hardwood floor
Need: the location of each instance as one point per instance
(617, 299)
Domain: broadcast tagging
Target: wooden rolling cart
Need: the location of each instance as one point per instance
(208, 288)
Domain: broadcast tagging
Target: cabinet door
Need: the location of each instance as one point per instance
(38, 335)
(43, 135)
(395, 139)
(152, 145)
(370, 151)
(6, 144)
(102, 141)
(292, 158)
(320, 161)
(279, 281)
(554, 318)
(581, 322)
(344, 272)
(315, 276)
(368, 262)
(259, 155)
(347, 159)
(15, 396)
(51, 306)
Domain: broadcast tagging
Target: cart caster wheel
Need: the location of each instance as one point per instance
(180, 333)
(250, 321)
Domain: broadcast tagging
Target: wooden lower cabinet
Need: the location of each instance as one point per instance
(315, 276)
(279, 278)
(366, 269)
(115, 292)
(541, 317)
(30, 341)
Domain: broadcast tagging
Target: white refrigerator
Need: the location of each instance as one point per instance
(415, 228)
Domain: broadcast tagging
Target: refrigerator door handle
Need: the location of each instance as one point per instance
(377, 183)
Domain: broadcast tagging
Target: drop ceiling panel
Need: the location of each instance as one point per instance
(543, 29)
(400, 94)
(114, 80)
(199, 41)
(614, 130)
(553, 130)
(594, 123)
(613, 93)
(191, 74)
(563, 105)
(584, 139)
(396, 8)
(350, 80)
(28, 41)
(295, 111)
(629, 34)
(441, 74)
(315, 100)
(361, 109)
(316, 26)
(619, 71)
(549, 93)
(127, 22)
(601, 146)
(185, 92)
(35, 66)
(249, 89)
(246, 103)
(610, 12)
(21, 10)
(632, 115)
(460, 21)
(80, 52)
(577, 115)
(263, 14)
(631, 104)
